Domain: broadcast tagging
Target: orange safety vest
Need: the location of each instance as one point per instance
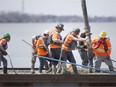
(41, 50)
(4, 43)
(67, 42)
(56, 39)
(101, 47)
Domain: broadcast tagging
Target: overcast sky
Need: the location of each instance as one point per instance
(60, 7)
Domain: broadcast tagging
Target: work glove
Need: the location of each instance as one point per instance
(5, 53)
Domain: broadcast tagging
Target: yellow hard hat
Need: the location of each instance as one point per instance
(103, 34)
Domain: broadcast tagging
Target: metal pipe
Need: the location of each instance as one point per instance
(87, 29)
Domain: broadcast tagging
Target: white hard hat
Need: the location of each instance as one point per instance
(33, 37)
(46, 32)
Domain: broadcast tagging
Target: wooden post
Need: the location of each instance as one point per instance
(87, 29)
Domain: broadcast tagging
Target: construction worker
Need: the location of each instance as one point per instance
(42, 50)
(69, 44)
(55, 45)
(3, 48)
(82, 49)
(102, 49)
(34, 52)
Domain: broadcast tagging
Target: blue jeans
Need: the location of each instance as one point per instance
(70, 57)
(43, 62)
(3, 59)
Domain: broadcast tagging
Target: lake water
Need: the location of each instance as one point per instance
(20, 52)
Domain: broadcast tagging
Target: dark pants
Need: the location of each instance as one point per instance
(33, 60)
(70, 57)
(43, 62)
(56, 55)
(84, 56)
(3, 59)
(99, 61)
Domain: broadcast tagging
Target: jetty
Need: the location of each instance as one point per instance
(24, 78)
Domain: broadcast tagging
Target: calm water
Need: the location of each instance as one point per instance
(20, 52)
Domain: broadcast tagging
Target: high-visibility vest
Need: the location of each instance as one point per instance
(100, 49)
(69, 44)
(41, 50)
(56, 37)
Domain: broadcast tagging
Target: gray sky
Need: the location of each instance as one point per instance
(61, 7)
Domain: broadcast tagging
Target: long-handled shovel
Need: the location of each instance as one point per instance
(11, 64)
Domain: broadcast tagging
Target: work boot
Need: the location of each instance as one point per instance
(46, 65)
(75, 69)
(64, 68)
(5, 70)
(32, 67)
(54, 70)
(40, 70)
(32, 71)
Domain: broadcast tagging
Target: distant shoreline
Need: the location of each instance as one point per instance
(16, 17)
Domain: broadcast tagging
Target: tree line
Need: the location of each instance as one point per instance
(16, 17)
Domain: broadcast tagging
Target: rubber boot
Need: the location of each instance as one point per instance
(64, 68)
(74, 69)
(5, 70)
(40, 69)
(46, 65)
(32, 67)
(54, 70)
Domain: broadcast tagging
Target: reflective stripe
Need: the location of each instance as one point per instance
(100, 50)
(55, 39)
(109, 48)
(41, 47)
(65, 47)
